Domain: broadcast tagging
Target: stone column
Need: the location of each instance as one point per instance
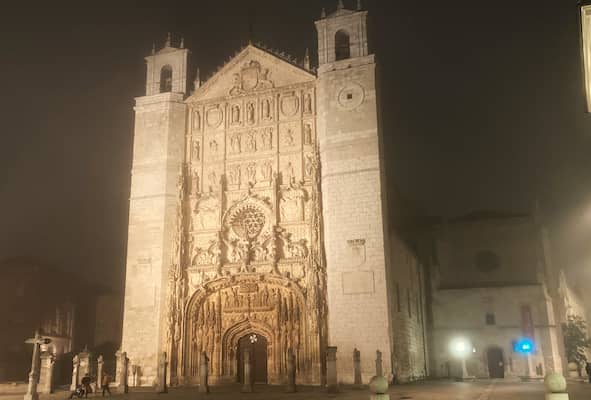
(379, 369)
(46, 377)
(291, 372)
(203, 373)
(99, 373)
(357, 368)
(75, 373)
(86, 361)
(247, 387)
(162, 365)
(122, 366)
(332, 384)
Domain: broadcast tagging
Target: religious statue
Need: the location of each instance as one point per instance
(196, 120)
(307, 134)
(235, 143)
(250, 142)
(213, 147)
(288, 174)
(266, 109)
(267, 138)
(307, 103)
(250, 113)
(235, 114)
(234, 175)
(267, 170)
(251, 172)
(196, 153)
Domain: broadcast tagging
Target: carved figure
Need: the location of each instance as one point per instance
(297, 249)
(291, 204)
(208, 211)
(213, 147)
(235, 114)
(309, 165)
(258, 251)
(196, 153)
(289, 139)
(250, 113)
(234, 175)
(307, 134)
(307, 103)
(214, 252)
(250, 143)
(267, 170)
(235, 143)
(213, 178)
(266, 112)
(267, 138)
(288, 174)
(195, 183)
(200, 258)
(251, 172)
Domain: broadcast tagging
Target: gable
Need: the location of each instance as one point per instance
(252, 70)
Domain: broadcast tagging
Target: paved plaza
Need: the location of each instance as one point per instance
(431, 390)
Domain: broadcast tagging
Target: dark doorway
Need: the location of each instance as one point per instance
(496, 366)
(258, 350)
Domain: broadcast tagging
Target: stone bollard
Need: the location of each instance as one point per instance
(46, 377)
(291, 372)
(75, 373)
(378, 387)
(247, 387)
(357, 368)
(203, 373)
(332, 384)
(100, 362)
(555, 386)
(379, 369)
(161, 386)
(122, 367)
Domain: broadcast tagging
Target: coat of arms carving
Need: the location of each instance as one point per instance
(251, 77)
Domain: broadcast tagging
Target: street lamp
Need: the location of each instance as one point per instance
(585, 39)
(461, 348)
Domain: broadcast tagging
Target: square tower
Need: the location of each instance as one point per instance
(158, 157)
(353, 194)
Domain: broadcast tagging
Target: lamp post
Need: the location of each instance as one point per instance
(585, 39)
(461, 348)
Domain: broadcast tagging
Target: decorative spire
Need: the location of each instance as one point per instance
(153, 48)
(197, 82)
(168, 40)
(182, 45)
(340, 5)
(323, 13)
(359, 6)
(307, 59)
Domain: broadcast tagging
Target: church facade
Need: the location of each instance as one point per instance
(257, 215)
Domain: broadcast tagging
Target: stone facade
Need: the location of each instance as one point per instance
(489, 285)
(257, 210)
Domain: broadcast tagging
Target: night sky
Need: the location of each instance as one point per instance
(483, 101)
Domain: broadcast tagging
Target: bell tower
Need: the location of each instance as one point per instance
(353, 190)
(158, 157)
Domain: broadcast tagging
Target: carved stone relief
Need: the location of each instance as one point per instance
(208, 211)
(214, 116)
(290, 104)
(251, 77)
(308, 135)
(291, 203)
(266, 138)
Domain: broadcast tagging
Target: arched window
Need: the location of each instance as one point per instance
(166, 79)
(342, 45)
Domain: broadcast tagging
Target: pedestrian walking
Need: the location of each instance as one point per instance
(105, 384)
(86, 380)
(588, 369)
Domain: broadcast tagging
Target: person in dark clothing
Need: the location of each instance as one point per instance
(86, 383)
(588, 369)
(105, 384)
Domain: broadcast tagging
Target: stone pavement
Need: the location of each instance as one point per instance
(430, 390)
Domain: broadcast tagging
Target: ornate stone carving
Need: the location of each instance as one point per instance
(214, 116)
(251, 172)
(307, 103)
(266, 170)
(267, 138)
(196, 150)
(235, 114)
(288, 174)
(289, 104)
(250, 113)
(250, 145)
(308, 133)
(266, 111)
(208, 210)
(250, 78)
(195, 183)
(288, 137)
(308, 166)
(213, 146)
(234, 175)
(235, 140)
(196, 120)
(213, 178)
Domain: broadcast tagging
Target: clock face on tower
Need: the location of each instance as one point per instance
(351, 96)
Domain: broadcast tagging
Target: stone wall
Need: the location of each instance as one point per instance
(407, 309)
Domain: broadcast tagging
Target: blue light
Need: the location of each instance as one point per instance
(524, 345)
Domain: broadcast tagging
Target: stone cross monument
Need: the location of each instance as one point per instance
(34, 374)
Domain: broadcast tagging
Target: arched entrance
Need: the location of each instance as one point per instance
(257, 344)
(496, 365)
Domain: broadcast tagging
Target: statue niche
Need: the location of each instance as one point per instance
(207, 211)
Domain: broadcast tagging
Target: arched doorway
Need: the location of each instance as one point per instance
(257, 344)
(496, 365)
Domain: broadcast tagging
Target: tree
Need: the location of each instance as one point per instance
(575, 339)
